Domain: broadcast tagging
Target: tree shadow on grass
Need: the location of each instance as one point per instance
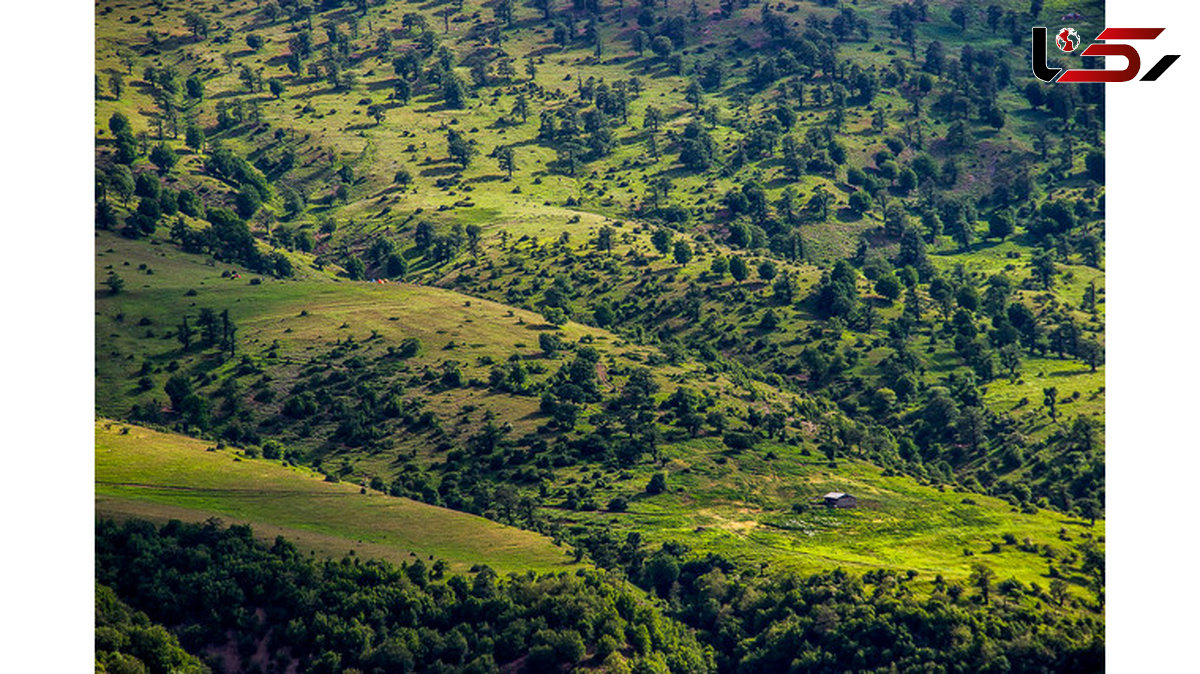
(1070, 373)
(438, 171)
(489, 178)
(847, 215)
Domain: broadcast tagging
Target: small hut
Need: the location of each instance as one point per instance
(837, 499)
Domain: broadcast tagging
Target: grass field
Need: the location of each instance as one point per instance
(148, 474)
(740, 505)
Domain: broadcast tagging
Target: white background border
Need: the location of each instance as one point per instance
(1153, 452)
(46, 337)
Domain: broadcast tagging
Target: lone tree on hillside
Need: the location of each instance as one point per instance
(737, 268)
(1043, 267)
(981, 577)
(767, 270)
(521, 107)
(682, 252)
(197, 24)
(454, 92)
(639, 41)
(657, 484)
(459, 148)
(662, 46)
(661, 239)
(185, 333)
(1058, 590)
(1090, 352)
(116, 84)
(164, 158)
(604, 239)
(121, 182)
(115, 283)
(959, 16)
(1050, 401)
(653, 119)
(506, 158)
(1090, 509)
(718, 267)
(377, 112)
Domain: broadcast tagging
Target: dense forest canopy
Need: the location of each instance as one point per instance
(235, 599)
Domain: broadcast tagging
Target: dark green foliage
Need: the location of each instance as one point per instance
(190, 204)
(1001, 224)
(454, 92)
(248, 201)
(148, 186)
(657, 484)
(126, 640)
(860, 201)
(115, 283)
(373, 616)
(662, 46)
(837, 622)
(164, 158)
(888, 286)
(194, 136)
(682, 252)
(767, 270)
(661, 240)
(224, 164)
(459, 148)
(355, 268)
(550, 342)
(836, 293)
(121, 182)
(396, 265)
(737, 268)
(1094, 161)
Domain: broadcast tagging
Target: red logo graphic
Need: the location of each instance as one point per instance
(1068, 40)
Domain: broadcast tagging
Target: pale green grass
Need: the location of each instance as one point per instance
(740, 505)
(141, 470)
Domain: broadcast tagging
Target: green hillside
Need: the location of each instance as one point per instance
(146, 474)
(765, 508)
(620, 286)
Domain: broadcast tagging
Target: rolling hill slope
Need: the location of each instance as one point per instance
(147, 474)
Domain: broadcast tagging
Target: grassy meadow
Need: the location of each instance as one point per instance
(149, 474)
(743, 506)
